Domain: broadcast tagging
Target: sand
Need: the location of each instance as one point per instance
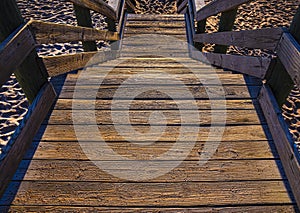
(254, 15)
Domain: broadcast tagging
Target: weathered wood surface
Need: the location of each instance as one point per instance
(279, 79)
(288, 52)
(231, 150)
(234, 117)
(188, 171)
(31, 75)
(148, 194)
(243, 174)
(84, 19)
(14, 50)
(182, 6)
(282, 138)
(218, 6)
(267, 38)
(46, 32)
(24, 134)
(57, 65)
(106, 92)
(109, 134)
(267, 208)
(253, 66)
(97, 6)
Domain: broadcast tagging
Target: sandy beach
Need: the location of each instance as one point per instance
(254, 15)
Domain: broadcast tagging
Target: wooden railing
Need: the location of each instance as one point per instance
(18, 55)
(278, 75)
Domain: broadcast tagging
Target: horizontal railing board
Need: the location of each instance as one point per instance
(47, 32)
(288, 52)
(14, 50)
(61, 64)
(24, 134)
(218, 6)
(263, 38)
(97, 6)
(282, 139)
(250, 65)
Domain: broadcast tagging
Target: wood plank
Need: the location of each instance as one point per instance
(250, 150)
(218, 6)
(108, 92)
(283, 140)
(155, 17)
(267, 38)
(226, 23)
(97, 6)
(69, 104)
(182, 6)
(147, 194)
(47, 32)
(13, 152)
(57, 65)
(84, 19)
(31, 74)
(288, 52)
(233, 117)
(14, 50)
(265, 208)
(187, 171)
(188, 79)
(253, 66)
(108, 132)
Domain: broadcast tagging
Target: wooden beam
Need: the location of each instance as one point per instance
(226, 24)
(253, 66)
(288, 52)
(57, 65)
(218, 6)
(98, 6)
(201, 25)
(282, 139)
(14, 50)
(279, 79)
(181, 6)
(84, 19)
(31, 75)
(24, 134)
(47, 32)
(267, 38)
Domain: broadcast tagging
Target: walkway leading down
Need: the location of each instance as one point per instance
(243, 174)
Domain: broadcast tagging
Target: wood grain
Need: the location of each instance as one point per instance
(14, 50)
(24, 134)
(282, 138)
(46, 32)
(61, 64)
(218, 6)
(267, 38)
(97, 6)
(288, 52)
(250, 65)
(231, 150)
(148, 194)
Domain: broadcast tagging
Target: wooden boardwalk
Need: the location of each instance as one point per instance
(244, 174)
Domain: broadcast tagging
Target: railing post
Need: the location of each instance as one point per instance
(226, 24)
(84, 19)
(279, 80)
(200, 29)
(31, 74)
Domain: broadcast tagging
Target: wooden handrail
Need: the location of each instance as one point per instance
(47, 32)
(14, 50)
(288, 52)
(98, 6)
(262, 38)
(218, 6)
